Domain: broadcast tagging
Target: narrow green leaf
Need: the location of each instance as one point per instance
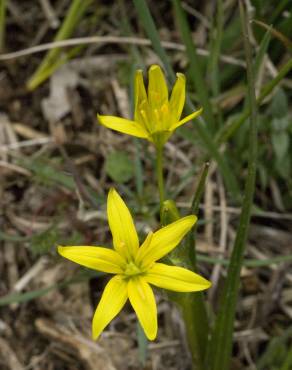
(262, 51)
(149, 25)
(220, 347)
(200, 189)
(281, 4)
(2, 24)
(286, 42)
(287, 365)
(271, 355)
(51, 60)
(230, 181)
(196, 73)
(215, 48)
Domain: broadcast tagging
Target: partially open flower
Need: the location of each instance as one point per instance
(156, 115)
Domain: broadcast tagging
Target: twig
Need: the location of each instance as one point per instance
(26, 143)
(49, 13)
(111, 40)
(30, 274)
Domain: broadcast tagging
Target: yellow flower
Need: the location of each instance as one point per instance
(156, 116)
(135, 267)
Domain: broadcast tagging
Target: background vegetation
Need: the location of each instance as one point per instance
(61, 63)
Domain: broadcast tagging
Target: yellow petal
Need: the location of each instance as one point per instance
(125, 238)
(164, 240)
(178, 96)
(112, 301)
(123, 125)
(143, 301)
(176, 278)
(140, 91)
(157, 88)
(96, 258)
(187, 119)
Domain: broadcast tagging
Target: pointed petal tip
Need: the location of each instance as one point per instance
(208, 284)
(112, 194)
(153, 67)
(95, 332)
(139, 72)
(112, 191)
(151, 336)
(192, 219)
(187, 119)
(94, 335)
(181, 76)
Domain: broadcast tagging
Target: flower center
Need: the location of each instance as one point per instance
(132, 270)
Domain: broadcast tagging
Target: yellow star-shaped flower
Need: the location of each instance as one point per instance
(135, 267)
(156, 116)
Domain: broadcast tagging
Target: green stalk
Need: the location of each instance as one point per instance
(159, 173)
(2, 24)
(220, 347)
(74, 15)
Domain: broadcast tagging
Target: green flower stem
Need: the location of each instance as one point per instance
(159, 173)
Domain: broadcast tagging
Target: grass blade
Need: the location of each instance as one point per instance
(217, 33)
(149, 25)
(215, 48)
(275, 346)
(196, 74)
(230, 181)
(288, 361)
(285, 41)
(220, 347)
(2, 24)
(75, 13)
(262, 51)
